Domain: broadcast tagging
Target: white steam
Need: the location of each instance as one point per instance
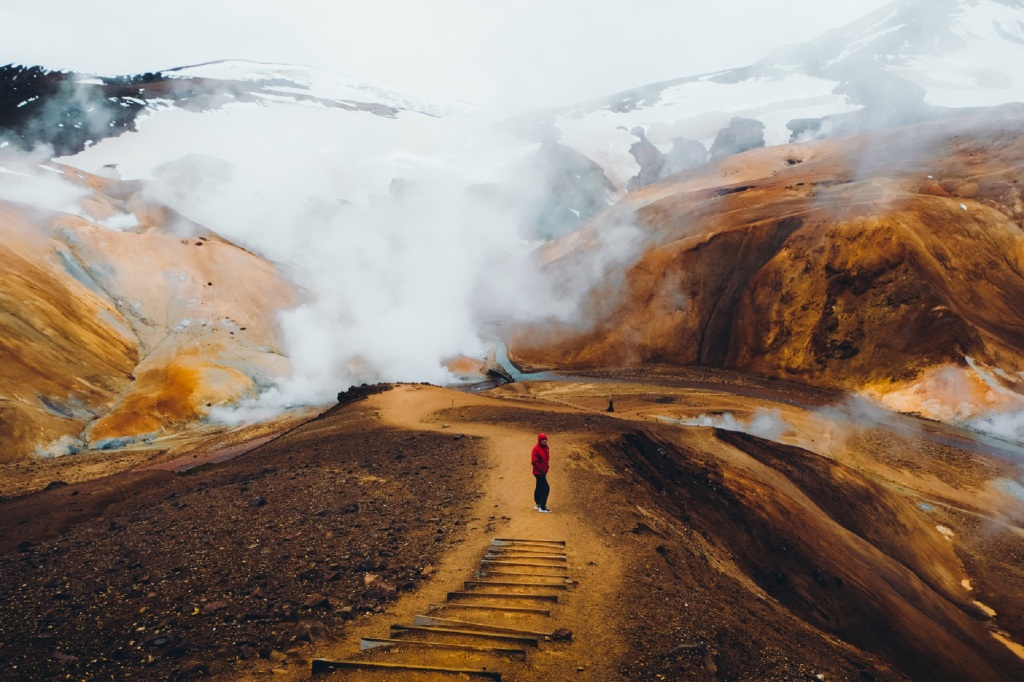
(1008, 425)
(763, 423)
(401, 260)
(391, 290)
(1005, 418)
(863, 412)
(26, 178)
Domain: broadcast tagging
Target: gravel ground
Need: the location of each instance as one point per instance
(236, 567)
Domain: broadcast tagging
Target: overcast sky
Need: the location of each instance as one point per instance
(504, 54)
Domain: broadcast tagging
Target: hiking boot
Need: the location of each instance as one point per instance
(543, 511)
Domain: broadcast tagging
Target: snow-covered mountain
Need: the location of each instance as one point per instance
(910, 60)
(256, 116)
(905, 62)
(243, 130)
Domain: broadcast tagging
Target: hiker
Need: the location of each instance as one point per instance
(540, 458)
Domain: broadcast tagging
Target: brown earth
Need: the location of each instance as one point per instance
(844, 545)
(861, 263)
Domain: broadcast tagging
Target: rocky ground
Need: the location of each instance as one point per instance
(696, 554)
(236, 566)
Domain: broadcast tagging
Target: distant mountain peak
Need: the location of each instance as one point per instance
(70, 111)
(906, 62)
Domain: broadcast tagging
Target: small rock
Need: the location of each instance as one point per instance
(157, 640)
(309, 574)
(55, 484)
(562, 635)
(190, 669)
(317, 601)
(214, 606)
(310, 631)
(257, 501)
(681, 648)
(64, 658)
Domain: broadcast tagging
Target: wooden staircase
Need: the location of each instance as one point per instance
(494, 622)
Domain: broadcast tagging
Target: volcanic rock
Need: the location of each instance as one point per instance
(743, 134)
(650, 159)
(684, 155)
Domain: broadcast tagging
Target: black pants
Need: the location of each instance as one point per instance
(540, 493)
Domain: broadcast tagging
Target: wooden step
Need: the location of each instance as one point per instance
(368, 643)
(484, 607)
(521, 564)
(481, 627)
(502, 595)
(526, 641)
(526, 541)
(512, 573)
(323, 665)
(488, 583)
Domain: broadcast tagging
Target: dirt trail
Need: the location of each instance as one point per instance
(504, 508)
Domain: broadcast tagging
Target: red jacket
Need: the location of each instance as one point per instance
(539, 458)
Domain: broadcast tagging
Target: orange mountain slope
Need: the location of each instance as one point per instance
(865, 263)
(112, 334)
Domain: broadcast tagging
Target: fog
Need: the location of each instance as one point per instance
(410, 235)
(23, 180)
(509, 57)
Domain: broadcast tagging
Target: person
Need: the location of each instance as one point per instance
(540, 458)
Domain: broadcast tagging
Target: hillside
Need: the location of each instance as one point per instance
(116, 337)
(888, 264)
(827, 546)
